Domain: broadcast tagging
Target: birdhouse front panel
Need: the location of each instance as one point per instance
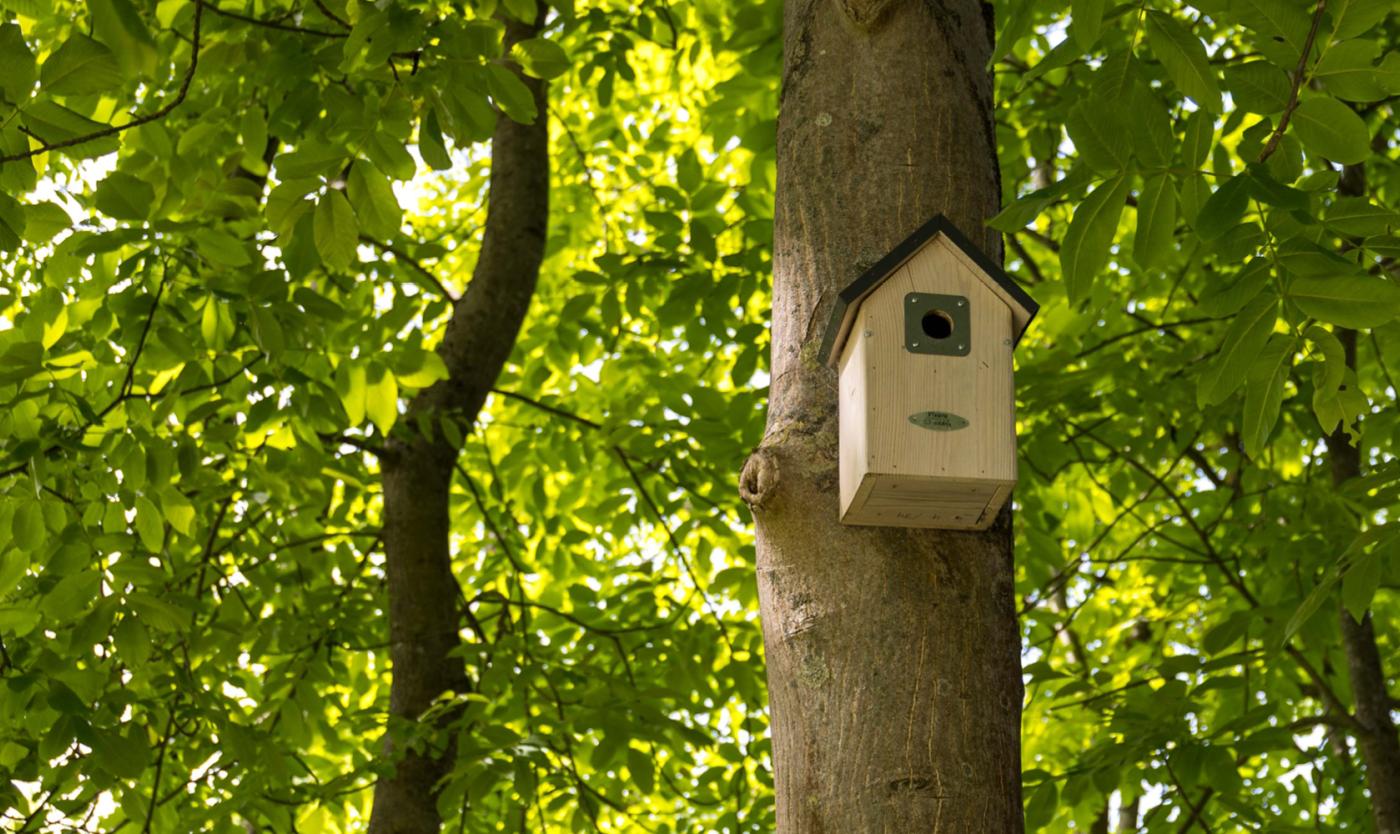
(927, 408)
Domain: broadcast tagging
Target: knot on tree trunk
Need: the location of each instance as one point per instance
(759, 478)
(865, 14)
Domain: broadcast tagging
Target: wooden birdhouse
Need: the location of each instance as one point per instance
(923, 343)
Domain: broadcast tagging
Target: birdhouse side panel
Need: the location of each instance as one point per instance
(854, 404)
(942, 416)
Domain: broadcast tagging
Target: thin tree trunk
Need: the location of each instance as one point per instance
(1377, 739)
(1128, 817)
(424, 596)
(893, 654)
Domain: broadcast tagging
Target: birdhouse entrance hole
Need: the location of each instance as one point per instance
(937, 324)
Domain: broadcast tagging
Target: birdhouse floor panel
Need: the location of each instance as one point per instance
(908, 501)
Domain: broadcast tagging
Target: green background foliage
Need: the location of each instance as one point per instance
(224, 277)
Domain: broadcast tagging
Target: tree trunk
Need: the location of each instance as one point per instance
(424, 597)
(1376, 739)
(893, 655)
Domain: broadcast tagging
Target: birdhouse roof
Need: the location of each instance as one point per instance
(1023, 307)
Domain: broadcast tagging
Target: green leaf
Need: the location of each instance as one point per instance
(80, 67)
(1184, 57)
(1283, 24)
(1086, 22)
(1100, 143)
(45, 220)
(267, 332)
(177, 510)
(1355, 301)
(12, 754)
(1040, 808)
(17, 70)
(1357, 17)
(150, 524)
(1360, 217)
(382, 399)
(72, 594)
(1347, 71)
(337, 233)
(1223, 209)
(1014, 26)
(215, 325)
(1242, 344)
(18, 619)
(124, 197)
(221, 248)
(28, 526)
(13, 222)
(1199, 130)
(689, 174)
(305, 164)
(1263, 397)
(118, 24)
(1084, 251)
(421, 370)
(1330, 129)
(511, 94)
(133, 640)
(1360, 582)
(372, 196)
(55, 328)
(642, 769)
(430, 143)
(351, 388)
(1258, 86)
(1156, 221)
(122, 756)
(540, 57)
(1144, 117)
(521, 9)
(14, 564)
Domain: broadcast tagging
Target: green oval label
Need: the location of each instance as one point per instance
(938, 421)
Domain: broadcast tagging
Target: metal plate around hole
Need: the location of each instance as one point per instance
(958, 310)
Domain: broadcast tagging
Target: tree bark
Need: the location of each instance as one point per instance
(893, 655)
(418, 462)
(1377, 738)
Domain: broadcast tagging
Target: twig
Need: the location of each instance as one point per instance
(113, 130)
(616, 449)
(273, 24)
(411, 262)
(487, 518)
(130, 379)
(645, 495)
(1277, 136)
(160, 761)
(320, 4)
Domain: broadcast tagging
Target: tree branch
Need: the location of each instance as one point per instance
(137, 121)
(1298, 73)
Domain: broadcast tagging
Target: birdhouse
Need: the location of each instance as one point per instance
(923, 344)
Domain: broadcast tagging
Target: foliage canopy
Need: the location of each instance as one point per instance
(232, 233)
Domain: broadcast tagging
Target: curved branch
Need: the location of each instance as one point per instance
(155, 115)
(424, 595)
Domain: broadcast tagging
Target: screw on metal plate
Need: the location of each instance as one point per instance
(937, 324)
